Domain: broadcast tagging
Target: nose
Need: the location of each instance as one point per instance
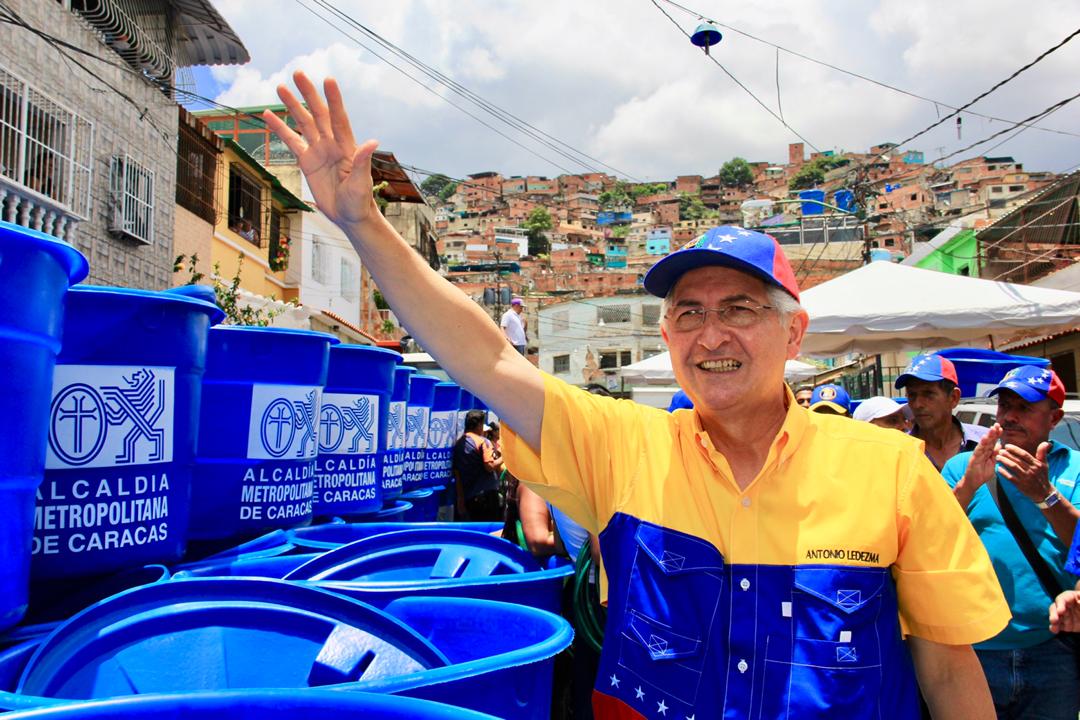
(713, 332)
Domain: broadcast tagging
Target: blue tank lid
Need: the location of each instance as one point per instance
(206, 634)
(401, 383)
(422, 389)
(90, 293)
(276, 704)
(447, 396)
(199, 292)
(419, 555)
(73, 261)
(362, 367)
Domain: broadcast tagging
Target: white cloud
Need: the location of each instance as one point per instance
(617, 80)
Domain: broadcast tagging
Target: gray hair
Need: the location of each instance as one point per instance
(786, 306)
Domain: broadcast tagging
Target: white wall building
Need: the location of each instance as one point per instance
(584, 341)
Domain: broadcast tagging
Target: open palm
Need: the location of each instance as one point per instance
(337, 170)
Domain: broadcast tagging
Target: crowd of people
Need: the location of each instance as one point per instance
(759, 560)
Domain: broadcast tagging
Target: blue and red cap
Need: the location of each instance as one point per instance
(744, 250)
(834, 397)
(930, 367)
(1033, 384)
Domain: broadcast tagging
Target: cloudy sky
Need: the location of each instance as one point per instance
(617, 80)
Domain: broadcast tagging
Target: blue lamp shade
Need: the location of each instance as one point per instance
(706, 36)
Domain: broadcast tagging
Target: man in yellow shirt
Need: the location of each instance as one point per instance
(762, 561)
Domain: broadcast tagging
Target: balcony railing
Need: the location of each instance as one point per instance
(22, 206)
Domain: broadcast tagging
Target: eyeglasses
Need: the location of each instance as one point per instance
(737, 315)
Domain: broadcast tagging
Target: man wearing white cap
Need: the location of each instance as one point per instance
(884, 412)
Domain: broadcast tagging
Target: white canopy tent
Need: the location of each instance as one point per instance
(884, 307)
(656, 370)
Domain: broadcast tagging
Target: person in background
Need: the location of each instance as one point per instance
(680, 401)
(761, 561)
(803, 394)
(1065, 610)
(1018, 488)
(476, 469)
(513, 325)
(830, 400)
(884, 412)
(933, 392)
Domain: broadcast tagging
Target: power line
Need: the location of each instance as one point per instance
(852, 73)
(1043, 113)
(736, 80)
(443, 79)
(980, 96)
(417, 81)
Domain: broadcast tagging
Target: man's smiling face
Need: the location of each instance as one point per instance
(722, 367)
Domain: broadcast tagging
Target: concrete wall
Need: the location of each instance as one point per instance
(144, 128)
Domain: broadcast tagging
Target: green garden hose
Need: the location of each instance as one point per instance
(589, 614)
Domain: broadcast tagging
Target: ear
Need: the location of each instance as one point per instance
(1055, 417)
(663, 332)
(954, 397)
(797, 325)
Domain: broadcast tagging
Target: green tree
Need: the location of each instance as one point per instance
(228, 295)
(691, 207)
(813, 172)
(433, 185)
(447, 191)
(736, 172)
(538, 223)
(617, 196)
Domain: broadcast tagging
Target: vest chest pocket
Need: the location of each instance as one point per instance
(675, 581)
(828, 602)
(830, 664)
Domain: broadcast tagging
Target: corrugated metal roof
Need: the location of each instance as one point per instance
(204, 38)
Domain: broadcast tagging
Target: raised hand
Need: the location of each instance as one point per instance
(1029, 473)
(981, 467)
(1065, 612)
(338, 171)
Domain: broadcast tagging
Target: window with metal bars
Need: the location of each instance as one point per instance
(44, 146)
(131, 198)
(560, 364)
(196, 166)
(245, 206)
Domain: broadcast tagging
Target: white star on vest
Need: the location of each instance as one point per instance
(661, 708)
(640, 693)
(615, 681)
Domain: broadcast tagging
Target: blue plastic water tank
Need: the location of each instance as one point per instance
(122, 432)
(353, 430)
(394, 461)
(812, 200)
(418, 413)
(442, 425)
(257, 705)
(845, 200)
(437, 560)
(255, 466)
(425, 506)
(214, 634)
(980, 370)
(36, 271)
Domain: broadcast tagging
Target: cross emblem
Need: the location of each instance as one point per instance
(79, 413)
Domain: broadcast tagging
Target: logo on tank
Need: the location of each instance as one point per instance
(348, 423)
(284, 422)
(395, 426)
(416, 426)
(110, 416)
(441, 429)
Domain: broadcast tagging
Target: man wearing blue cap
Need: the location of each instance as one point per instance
(760, 560)
(933, 392)
(1024, 515)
